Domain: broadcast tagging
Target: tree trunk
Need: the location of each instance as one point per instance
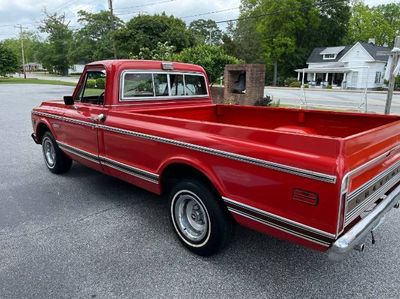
(275, 79)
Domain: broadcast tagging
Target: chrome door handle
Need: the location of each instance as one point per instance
(99, 118)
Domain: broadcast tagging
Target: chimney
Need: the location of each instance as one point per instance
(371, 41)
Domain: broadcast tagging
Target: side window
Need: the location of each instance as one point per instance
(195, 85)
(176, 83)
(94, 87)
(161, 84)
(138, 85)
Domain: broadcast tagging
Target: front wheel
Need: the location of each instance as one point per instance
(56, 161)
(198, 217)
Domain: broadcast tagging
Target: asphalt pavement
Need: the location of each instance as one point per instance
(87, 235)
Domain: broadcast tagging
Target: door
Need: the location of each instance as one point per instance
(80, 138)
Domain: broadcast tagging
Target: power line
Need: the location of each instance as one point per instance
(64, 5)
(210, 13)
(145, 5)
(130, 13)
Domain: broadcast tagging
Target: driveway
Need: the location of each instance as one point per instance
(87, 235)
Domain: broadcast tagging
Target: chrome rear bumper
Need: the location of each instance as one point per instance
(357, 235)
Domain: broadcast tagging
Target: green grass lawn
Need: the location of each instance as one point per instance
(34, 81)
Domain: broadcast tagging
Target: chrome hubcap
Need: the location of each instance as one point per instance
(49, 152)
(191, 217)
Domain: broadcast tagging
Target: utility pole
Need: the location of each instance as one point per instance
(392, 76)
(22, 47)
(110, 6)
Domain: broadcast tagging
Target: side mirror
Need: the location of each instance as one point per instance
(68, 100)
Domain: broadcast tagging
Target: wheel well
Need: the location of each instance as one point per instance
(41, 129)
(176, 172)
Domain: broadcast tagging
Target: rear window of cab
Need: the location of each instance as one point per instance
(161, 85)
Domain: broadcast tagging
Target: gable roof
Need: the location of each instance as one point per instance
(317, 54)
(374, 49)
(332, 50)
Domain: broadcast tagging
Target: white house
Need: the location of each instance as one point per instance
(359, 66)
(76, 68)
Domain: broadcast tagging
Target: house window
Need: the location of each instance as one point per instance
(378, 77)
(329, 56)
(354, 79)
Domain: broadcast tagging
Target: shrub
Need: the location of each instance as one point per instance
(91, 83)
(212, 58)
(329, 86)
(289, 81)
(306, 86)
(295, 84)
(264, 101)
(101, 83)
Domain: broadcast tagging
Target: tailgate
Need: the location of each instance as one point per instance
(372, 168)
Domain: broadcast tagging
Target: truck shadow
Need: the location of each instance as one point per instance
(252, 257)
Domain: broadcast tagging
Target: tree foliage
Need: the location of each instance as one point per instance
(146, 31)
(163, 51)
(8, 60)
(32, 47)
(94, 41)
(206, 32)
(212, 58)
(285, 32)
(381, 22)
(56, 53)
(334, 16)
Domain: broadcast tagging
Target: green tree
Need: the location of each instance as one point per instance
(56, 53)
(334, 18)
(145, 31)
(94, 41)
(242, 39)
(283, 33)
(32, 46)
(211, 57)
(206, 31)
(8, 61)
(381, 22)
(163, 51)
(287, 28)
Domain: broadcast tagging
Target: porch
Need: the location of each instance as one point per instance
(322, 77)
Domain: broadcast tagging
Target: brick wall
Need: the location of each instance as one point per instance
(254, 83)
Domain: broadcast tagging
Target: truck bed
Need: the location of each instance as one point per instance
(322, 123)
(340, 141)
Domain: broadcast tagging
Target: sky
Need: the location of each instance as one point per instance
(29, 13)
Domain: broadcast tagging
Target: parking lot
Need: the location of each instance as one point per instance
(87, 235)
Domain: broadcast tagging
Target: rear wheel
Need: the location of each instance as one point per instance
(56, 161)
(199, 219)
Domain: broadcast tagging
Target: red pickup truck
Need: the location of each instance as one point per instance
(321, 179)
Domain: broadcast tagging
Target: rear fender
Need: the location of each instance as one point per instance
(197, 165)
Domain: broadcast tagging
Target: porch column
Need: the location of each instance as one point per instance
(315, 77)
(333, 76)
(326, 77)
(298, 76)
(344, 76)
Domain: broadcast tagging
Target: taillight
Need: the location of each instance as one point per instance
(305, 196)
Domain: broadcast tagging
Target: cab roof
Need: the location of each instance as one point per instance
(120, 64)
